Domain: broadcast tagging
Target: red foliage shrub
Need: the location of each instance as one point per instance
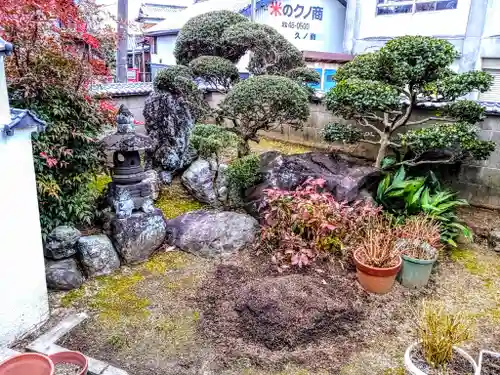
(303, 225)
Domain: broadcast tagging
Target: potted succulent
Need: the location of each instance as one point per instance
(376, 257)
(489, 363)
(436, 352)
(418, 246)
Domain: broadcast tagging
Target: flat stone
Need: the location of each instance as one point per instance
(211, 233)
(97, 255)
(60, 243)
(139, 235)
(63, 274)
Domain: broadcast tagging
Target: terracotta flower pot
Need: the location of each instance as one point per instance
(27, 364)
(373, 279)
(75, 358)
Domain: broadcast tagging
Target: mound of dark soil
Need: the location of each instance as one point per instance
(272, 322)
(288, 311)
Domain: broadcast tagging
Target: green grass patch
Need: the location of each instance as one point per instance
(117, 300)
(162, 262)
(175, 201)
(469, 260)
(267, 144)
(72, 297)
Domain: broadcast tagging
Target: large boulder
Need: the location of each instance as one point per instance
(212, 233)
(287, 311)
(97, 255)
(169, 121)
(63, 274)
(139, 235)
(60, 243)
(346, 177)
(206, 181)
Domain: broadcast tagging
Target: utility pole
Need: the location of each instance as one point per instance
(252, 16)
(122, 28)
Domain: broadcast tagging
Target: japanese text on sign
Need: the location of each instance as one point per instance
(299, 11)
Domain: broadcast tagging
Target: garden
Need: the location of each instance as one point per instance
(202, 247)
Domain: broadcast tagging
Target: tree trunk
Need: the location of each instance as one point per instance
(243, 148)
(384, 143)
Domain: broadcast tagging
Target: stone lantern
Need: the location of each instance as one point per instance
(128, 192)
(137, 228)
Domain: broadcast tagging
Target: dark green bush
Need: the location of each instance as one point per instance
(346, 132)
(202, 36)
(264, 102)
(209, 140)
(244, 172)
(215, 71)
(175, 79)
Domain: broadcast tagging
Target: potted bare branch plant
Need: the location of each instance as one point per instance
(419, 246)
(435, 352)
(376, 258)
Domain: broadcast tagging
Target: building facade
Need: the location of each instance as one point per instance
(471, 25)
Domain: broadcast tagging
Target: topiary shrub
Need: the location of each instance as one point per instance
(174, 79)
(210, 43)
(217, 72)
(379, 91)
(244, 172)
(262, 103)
(210, 140)
(202, 36)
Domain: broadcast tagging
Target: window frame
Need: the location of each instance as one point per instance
(413, 4)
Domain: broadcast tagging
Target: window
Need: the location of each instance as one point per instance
(412, 6)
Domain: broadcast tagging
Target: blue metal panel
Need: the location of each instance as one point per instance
(328, 81)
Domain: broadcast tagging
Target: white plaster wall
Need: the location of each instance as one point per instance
(492, 26)
(442, 23)
(165, 45)
(23, 291)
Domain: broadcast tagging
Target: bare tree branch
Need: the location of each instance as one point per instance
(369, 141)
(413, 163)
(405, 117)
(368, 125)
(429, 119)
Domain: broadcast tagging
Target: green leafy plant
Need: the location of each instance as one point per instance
(379, 91)
(209, 140)
(217, 72)
(49, 72)
(244, 172)
(307, 224)
(438, 331)
(347, 132)
(403, 196)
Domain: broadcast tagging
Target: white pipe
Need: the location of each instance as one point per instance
(4, 97)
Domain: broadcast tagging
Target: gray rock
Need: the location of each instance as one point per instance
(169, 121)
(151, 178)
(61, 242)
(345, 176)
(165, 178)
(63, 274)
(207, 182)
(97, 255)
(210, 233)
(139, 235)
(494, 240)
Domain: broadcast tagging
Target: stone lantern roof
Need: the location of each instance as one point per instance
(125, 138)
